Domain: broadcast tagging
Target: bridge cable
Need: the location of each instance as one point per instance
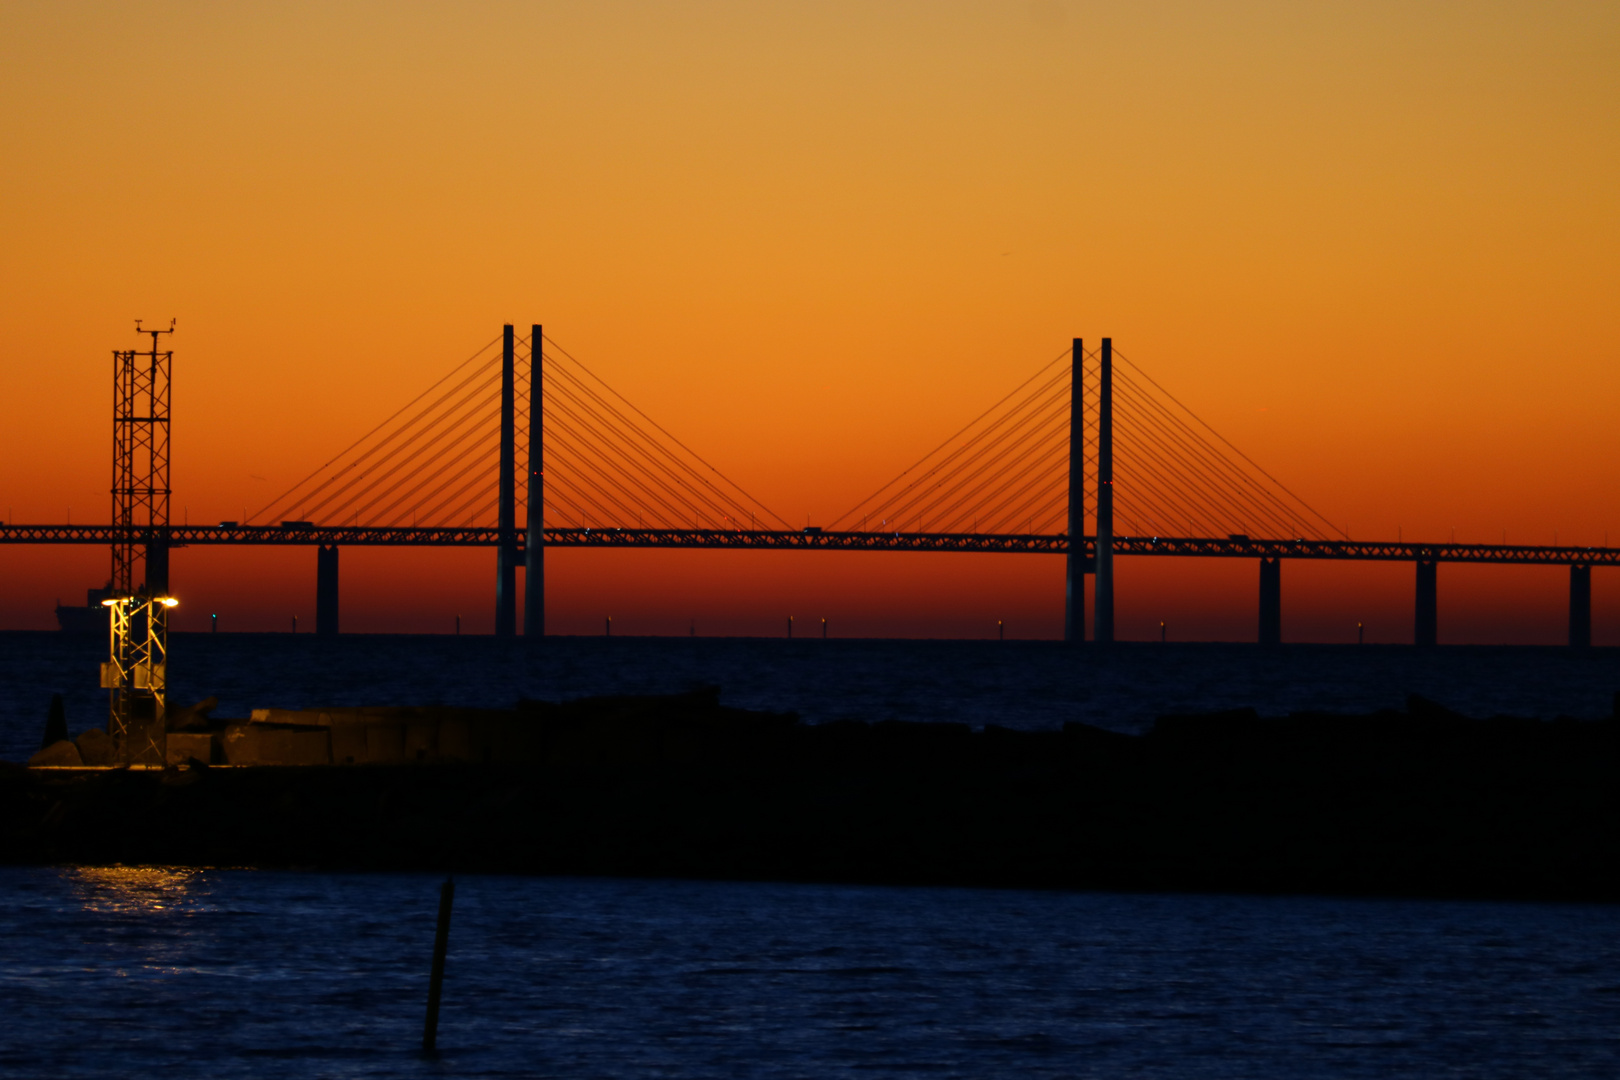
(660, 428)
(902, 503)
(1234, 449)
(411, 426)
(633, 437)
(904, 472)
(448, 375)
(1216, 473)
(1199, 486)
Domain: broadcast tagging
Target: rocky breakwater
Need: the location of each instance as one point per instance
(1417, 802)
(327, 736)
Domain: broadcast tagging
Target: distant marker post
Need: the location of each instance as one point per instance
(441, 944)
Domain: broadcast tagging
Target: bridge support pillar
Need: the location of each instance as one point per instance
(534, 550)
(1271, 601)
(506, 540)
(157, 565)
(1426, 616)
(1580, 607)
(1074, 590)
(1103, 601)
(326, 590)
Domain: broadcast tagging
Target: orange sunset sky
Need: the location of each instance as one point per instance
(1377, 245)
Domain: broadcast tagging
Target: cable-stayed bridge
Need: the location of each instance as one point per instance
(521, 447)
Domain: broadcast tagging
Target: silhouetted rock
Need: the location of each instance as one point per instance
(1419, 707)
(189, 748)
(1417, 802)
(58, 754)
(55, 723)
(96, 748)
(192, 717)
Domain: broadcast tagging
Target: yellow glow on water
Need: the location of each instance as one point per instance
(133, 890)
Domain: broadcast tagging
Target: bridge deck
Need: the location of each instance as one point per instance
(812, 540)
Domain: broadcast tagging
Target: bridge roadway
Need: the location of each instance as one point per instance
(817, 540)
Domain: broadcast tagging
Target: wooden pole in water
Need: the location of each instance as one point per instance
(441, 942)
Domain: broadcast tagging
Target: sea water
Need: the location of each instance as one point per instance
(227, 973)
(120, 971)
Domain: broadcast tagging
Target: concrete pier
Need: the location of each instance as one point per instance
(1580, 607)
(1271, 601)
(1426, 614)
(326, 590)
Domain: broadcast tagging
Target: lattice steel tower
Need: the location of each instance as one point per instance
(137, 672)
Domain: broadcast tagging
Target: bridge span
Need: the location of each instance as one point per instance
(521, 447)
(1270, 553)
(813, 539)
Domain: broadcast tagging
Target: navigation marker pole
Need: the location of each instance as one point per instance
(441, 944)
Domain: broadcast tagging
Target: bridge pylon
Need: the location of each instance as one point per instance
(326, 590)
(1580, 605)
(1074, 597)
(1426, 606)
(1102, 618)
(506, 519)
(1270, 600)
(534, 549)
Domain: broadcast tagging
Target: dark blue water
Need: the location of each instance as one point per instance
(1020, 684)
(129, 971)
(125, 972)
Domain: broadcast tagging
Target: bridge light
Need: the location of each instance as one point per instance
(169, 601)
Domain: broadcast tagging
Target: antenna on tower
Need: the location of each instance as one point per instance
(136, 675)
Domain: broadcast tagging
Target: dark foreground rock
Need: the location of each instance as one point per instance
(1421, 802)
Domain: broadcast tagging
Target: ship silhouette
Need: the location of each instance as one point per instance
(90, 619)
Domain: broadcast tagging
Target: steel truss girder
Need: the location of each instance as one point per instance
(136, 677)
(798, 540)
(140, 486)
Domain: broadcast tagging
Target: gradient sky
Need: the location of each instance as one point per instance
(1376, 244)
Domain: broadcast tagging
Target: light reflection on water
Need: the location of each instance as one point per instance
(136, 890)
(123, 971)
